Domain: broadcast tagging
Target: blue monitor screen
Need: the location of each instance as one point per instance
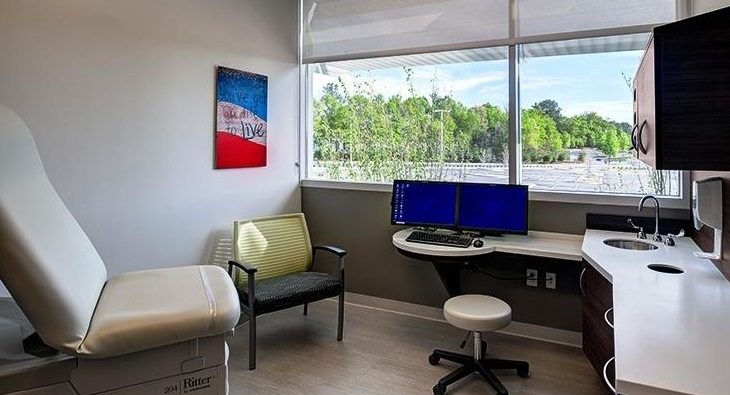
(495, 208)
(424, 203)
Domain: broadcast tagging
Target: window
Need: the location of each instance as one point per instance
(576, 120)
(433, 117)
(498, 91)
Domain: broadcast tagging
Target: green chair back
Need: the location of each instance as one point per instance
(275, 245)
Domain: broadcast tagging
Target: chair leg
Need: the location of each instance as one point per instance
(458, 374)
(450, 356)
(252, 342)
(491, 379)
(306, 308)
(522, 367)
(340, 316)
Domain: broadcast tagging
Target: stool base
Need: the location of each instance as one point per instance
(482, 366)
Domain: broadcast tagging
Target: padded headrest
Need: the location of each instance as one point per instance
(47, 262)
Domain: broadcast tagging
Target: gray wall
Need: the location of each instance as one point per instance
(360, 222)
(120, 98)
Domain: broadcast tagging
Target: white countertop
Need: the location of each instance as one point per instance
(672, 331)
(544, 244)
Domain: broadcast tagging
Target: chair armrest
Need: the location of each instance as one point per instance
(250, 271)
(247, 268)
(340, 258)
(332, 249)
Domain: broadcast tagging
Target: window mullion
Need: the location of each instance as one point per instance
(515, 138)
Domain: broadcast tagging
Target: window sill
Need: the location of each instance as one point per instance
(349, 185)
(539, 196)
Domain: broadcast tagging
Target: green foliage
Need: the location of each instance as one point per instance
(541, 140)
(360, 134)
(593, 131)
(551, 109)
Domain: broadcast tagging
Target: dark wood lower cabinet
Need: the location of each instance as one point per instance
(598, 342)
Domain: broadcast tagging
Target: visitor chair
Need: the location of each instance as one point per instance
(477, 314)
(272, 270)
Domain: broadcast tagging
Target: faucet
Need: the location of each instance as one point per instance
(640, 229)
(657, 236)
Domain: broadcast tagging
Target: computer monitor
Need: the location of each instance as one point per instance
(493, 208)
(424, 203)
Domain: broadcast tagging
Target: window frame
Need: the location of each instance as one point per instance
(306, 131)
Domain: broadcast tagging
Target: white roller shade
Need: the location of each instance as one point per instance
(337, 29)
(540, 17)
(554, 48)
(355, 29)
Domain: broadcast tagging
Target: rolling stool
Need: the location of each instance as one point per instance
(477, 314)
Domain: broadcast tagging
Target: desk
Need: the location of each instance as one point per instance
(449, 260)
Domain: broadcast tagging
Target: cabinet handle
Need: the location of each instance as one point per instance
(580, 282)
(605, 375)
(639, 142)
(605, 317)
(634, 145)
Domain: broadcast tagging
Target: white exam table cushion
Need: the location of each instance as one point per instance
(47, 262)
(153, 308)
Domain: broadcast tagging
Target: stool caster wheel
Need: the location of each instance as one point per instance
(523, 372)
(434, 360)
(439, 389)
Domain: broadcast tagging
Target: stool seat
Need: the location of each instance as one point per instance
(477, 313)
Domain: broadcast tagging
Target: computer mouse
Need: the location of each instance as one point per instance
(478, 243)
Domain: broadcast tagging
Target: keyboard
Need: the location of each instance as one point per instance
(418, 236)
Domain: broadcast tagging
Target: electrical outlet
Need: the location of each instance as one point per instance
(551, 281)
(532, 277)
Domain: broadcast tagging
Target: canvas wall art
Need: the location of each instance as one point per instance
(241, 127)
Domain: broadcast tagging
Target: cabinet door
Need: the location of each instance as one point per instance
(598, 344)
(644, 133)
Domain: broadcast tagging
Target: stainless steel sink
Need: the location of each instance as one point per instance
(629, 244)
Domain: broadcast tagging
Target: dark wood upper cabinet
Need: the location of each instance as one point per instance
(682, 95)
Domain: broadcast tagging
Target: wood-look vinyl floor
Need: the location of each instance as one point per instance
(386, 353)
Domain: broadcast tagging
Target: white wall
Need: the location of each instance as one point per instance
(702, 6)
(120, 98)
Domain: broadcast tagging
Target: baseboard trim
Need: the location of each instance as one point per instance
(521, 329)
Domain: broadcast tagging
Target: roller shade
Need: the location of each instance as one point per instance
(356, 29)
(539, 17)
(554, 48)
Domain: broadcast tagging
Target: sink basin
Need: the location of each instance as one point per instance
(628, 244)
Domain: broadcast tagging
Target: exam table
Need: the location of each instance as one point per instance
(149, 332)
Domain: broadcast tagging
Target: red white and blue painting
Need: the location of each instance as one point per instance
(241, 128)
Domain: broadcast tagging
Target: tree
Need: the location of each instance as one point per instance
(552, 109)
(549, 108)
(360, 134)
(491, 138)
(609, 143)
(592, 130)
(541, 141)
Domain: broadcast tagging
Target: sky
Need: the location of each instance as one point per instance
(579, 83)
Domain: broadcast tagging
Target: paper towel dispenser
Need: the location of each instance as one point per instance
(707, 210)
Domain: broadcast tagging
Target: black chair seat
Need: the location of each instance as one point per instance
(291, 290)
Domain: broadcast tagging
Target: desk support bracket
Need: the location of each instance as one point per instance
(450, 275)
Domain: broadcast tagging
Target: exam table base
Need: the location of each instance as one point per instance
(196, 366)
